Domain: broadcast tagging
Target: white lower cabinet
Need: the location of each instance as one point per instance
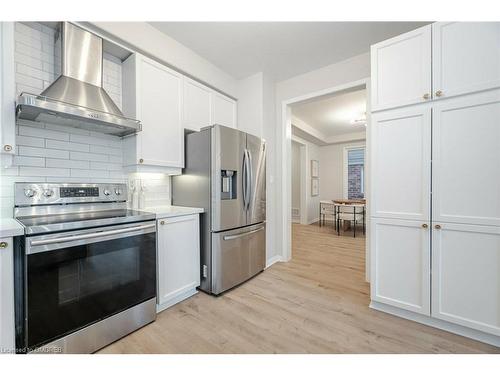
(178, 246)
(466, 275)
(400, 264)
(6, 295)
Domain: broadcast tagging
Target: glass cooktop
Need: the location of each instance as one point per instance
(81, 220)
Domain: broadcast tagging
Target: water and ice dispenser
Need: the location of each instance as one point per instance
(228, 185)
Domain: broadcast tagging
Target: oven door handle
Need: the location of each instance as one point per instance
(90, 235)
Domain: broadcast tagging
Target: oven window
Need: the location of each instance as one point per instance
(73, 287)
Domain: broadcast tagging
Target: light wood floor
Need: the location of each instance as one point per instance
(316, 303)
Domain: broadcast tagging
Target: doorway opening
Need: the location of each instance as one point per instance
(328, 164)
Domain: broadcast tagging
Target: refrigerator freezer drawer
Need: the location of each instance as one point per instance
(237, 255)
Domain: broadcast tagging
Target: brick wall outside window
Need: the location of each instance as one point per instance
(354, 182)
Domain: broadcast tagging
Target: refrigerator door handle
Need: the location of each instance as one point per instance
(251, 186)
(235, 236)
(246, 180)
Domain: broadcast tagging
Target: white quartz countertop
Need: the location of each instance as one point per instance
(10, 228)
(173, 211)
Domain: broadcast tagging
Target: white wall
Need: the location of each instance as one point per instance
(296, 174)
(350, 70)
(150, 41)
(250, 93)
(331, 161)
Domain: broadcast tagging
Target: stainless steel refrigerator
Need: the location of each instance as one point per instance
(225, 173)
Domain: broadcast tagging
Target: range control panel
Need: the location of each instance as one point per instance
(67, 192)
(29, 194)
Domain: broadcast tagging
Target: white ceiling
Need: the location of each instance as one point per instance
(282, 49)
(332, 115)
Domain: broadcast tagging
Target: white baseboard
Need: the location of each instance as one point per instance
(176, 298)
(315, 220)
(438, 323)
(274, 259)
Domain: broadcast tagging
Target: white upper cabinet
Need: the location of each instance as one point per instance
(401, 70)
(7, 91)
(197, 105)
(466, 159)
(153, 94)
(465, 57)
(401, 163)
(466, 276)
(401, 264)
(223, 110)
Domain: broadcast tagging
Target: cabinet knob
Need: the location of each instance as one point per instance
(3, 245)
(7, 148)
(439, 93)
(141, 160)
(426, 96)
(162, 222)
(437, 226)
(425, 226)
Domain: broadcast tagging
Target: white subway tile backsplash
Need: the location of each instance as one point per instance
(43, 133)
(89, 173)
(22, 140)
(77, 164)
(116, 159)
(60, 126)
(29, 161)
(70, 146)
(33, 171)
(29, 81)
(43, 152)
(106, 150)
(88, 156)
(105, 166)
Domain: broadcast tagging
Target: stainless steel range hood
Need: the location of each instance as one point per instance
(76, 98)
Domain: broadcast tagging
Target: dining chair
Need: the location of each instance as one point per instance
(354, 213)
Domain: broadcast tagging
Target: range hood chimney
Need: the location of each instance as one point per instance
(76, 98)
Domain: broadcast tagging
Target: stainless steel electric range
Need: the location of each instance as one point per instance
(85, 270)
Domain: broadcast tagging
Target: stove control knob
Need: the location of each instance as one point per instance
(30, 193)
(47, 193)
(118, 191)
(107, 192)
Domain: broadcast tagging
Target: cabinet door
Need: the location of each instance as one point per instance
(161, 141)
(401, 264)
(466, 276)
(465, 57)
(223, 110)
(466, 159)
(401, 163)
(6, 294)
(401, 69)
(196, 104)
(7, 91)
(178, 241)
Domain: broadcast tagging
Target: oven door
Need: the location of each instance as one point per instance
(77, 278)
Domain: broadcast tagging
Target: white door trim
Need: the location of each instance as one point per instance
(286, 153)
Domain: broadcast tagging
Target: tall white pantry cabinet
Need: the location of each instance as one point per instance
(435, 154)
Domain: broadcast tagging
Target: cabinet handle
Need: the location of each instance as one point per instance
(141, 160)
(162, 222)
(3, 245)
(437, 226)
(439, 93)
(426, 96)
(425, 226)
(7, 148)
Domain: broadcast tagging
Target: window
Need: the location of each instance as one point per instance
(355, 173)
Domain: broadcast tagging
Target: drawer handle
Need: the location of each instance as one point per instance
(426, 96)
(235, 236)
(162, 222)
(439, 93)
(3, 245)
(437, 226)
(141, 160)
(425, 226)
(7, 148)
